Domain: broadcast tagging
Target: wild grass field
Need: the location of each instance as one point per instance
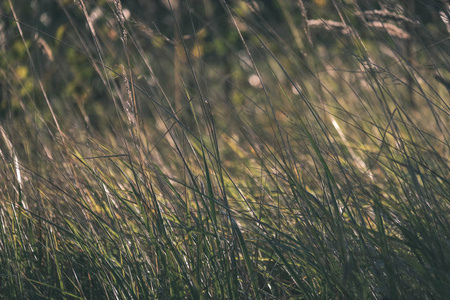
(226, 149)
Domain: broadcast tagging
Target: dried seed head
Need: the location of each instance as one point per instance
(120, 16)
(128, 103)
(328, 25)
(45, 48)
(385, 15)
(391, 29)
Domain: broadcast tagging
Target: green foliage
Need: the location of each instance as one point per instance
(224, 149)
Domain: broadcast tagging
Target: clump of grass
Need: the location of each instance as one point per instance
(221, 152)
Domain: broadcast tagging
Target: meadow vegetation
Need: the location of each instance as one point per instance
(224, 149)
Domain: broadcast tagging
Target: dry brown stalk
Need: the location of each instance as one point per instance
(385, 15)
(391, 29)
(328, 25)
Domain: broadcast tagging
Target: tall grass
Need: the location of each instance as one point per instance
(305, 158)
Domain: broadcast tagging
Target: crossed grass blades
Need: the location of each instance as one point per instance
(233, 149)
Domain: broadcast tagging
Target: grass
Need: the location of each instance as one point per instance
(232, 156)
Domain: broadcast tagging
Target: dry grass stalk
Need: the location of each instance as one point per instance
(305, 21)
(385, 15)
(328, 25)
(46, 49)
(128, 103)
(120, 16)
(391, 29)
